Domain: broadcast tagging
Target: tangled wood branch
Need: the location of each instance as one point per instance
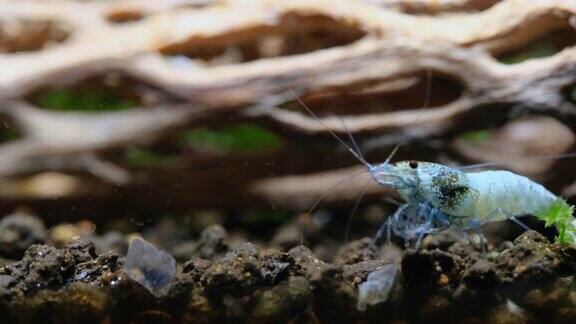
(362, 60)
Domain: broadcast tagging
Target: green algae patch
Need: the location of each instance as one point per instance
(8, 133)
(572, 94)
(538, 50)
(267, 216)
(560, 216)
(84, 100)
(238, 138)
(143, 157)
(475, 136)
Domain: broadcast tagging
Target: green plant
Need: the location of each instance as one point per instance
(560, 216)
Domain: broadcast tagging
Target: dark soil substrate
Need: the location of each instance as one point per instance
(447, 280)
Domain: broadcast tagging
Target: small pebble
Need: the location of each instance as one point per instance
(152, 268)
(18, 232)
(376, 288)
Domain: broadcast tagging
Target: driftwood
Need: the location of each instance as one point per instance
(367, 61)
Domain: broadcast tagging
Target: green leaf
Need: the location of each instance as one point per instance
(560, 216)
(239, 138)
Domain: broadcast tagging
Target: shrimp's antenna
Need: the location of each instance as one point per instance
(334, 186)
(570, 155)
(392, 201)
(350, 149)
(352, 139)
(359, 199)
(427, 96)
(356, 204)
(356, 152)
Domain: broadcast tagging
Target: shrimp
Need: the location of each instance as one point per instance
(439, 197)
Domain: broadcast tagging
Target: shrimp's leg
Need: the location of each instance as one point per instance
(385, 227)
(482, 240)
(476, 226)
(419, 240)
(386, 224)
(374, 242)
(517, 221)
(508, 215)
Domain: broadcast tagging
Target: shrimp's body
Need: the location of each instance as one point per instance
(503, 193)
(440, 197)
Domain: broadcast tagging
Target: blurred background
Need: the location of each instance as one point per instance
(165, 117)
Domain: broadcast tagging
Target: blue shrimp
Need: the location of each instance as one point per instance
(451, 198)
(440, 197)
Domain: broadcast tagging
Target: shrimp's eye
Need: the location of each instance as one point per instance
(413, 164)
